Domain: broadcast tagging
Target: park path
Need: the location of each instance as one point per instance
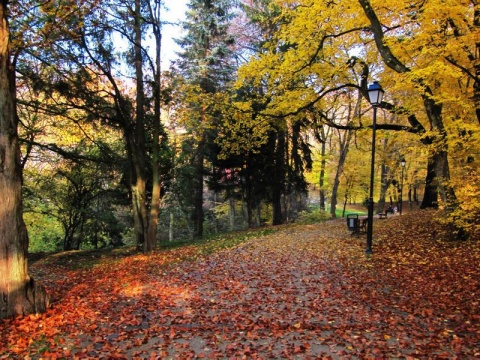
(301, 292)
(278, 296)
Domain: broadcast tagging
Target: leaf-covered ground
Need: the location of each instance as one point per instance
(303, 292)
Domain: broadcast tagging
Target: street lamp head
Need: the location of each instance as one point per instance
(403, 162)
(375, 94)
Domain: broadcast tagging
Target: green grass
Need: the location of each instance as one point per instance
(348, 212)
(212, 243)
(315, 215)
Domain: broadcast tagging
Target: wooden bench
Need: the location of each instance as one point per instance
(363, 225)
(382, 215)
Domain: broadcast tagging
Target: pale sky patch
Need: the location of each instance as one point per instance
(174, 12)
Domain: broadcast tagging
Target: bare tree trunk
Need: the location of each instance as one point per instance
(344, 145)
(19, 295)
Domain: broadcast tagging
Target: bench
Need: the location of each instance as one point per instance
(382, 215)
(357, 225)
(363, 225)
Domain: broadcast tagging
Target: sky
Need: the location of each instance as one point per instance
(175, 12)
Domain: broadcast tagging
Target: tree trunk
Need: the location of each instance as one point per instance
(323, 164)
(248, 197)
(279, 178)
(140, 186)
(171, 226)
(430, 196)
(136, 176)
(344, 145)
(19, 295)
(321, 136)
(476, 85)
(156, 187)
(231, 212)
(384, 185)
(198, 215)
(345, 200)
(333, 202)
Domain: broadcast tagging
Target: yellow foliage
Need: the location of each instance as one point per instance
(307, 58)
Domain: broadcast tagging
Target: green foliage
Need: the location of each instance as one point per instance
(207, 57)
(260, 131)
(312, 216)
(45, 233)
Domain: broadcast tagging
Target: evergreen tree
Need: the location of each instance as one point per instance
(207, 63)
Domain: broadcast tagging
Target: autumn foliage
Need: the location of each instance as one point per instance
(299, 292)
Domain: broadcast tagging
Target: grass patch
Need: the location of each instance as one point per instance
(312, 216)
(339, 213)
(229, 240)
(217, 242)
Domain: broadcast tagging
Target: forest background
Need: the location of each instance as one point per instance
(266, 101)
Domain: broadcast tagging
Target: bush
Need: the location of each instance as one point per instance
(312, 216)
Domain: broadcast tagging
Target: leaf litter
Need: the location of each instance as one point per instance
(301, 292)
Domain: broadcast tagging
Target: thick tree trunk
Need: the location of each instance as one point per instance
(436, 183)
(430, 196)
(19, 295)
(156, 186)
(140, 219)
(140, 187)
(136, 176)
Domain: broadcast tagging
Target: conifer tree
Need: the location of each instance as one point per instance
(207, 63)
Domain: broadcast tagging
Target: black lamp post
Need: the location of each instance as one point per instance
(375, 96)
(403, 162)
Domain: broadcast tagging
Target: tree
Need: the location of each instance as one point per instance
(84, 70)
(424, 63)
(19, 294)
(206, 63)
